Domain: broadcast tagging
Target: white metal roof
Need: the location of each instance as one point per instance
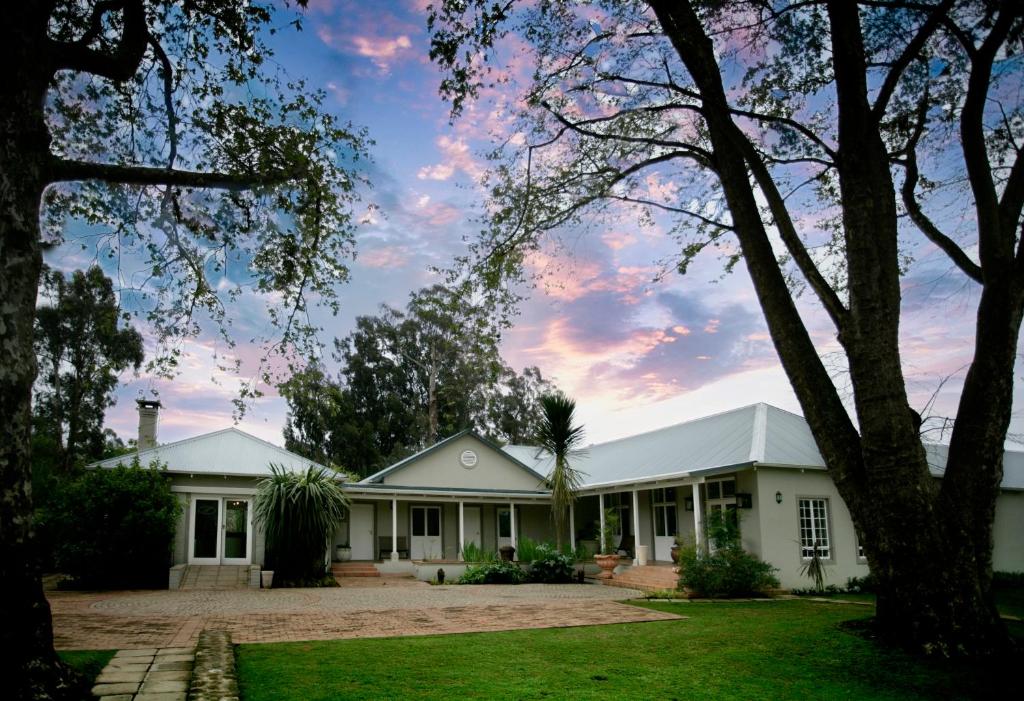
(759, 434)
(226, 452)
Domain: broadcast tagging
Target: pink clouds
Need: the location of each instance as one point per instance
(385, 257)
(456, 157)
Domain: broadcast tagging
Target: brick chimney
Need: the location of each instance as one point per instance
(149, 409)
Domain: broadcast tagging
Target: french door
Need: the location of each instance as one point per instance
(426, 533)
(220, 531)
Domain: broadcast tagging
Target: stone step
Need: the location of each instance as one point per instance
(354, 569)
(647, 578)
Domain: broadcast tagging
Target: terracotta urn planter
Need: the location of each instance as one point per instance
(607, 563)
(675, 553)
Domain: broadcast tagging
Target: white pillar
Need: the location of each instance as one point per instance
(512, 523)
(636, 525)
(462, 529)
(600, 510)
(572, 526)
(698, 536)
(394, 529)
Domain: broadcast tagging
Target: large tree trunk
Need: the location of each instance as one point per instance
(31, 668)
(934, 584)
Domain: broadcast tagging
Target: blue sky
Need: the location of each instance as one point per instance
(635, 353)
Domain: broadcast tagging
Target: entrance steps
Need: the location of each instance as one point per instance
(646, 578)
(216, 577)
(354, 569)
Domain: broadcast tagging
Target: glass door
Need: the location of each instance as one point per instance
(220, 531)
(205, 540)
(426, 533)
(236, 532)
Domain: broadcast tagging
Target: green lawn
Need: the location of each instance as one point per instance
(88, 663)
(770, 650)
(1010, 602)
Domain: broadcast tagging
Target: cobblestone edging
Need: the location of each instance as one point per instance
(153, 674)
(213, 678)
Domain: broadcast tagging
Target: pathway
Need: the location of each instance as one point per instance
(153, 619)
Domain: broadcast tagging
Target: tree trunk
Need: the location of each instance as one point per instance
(31, 668)
(935, 587)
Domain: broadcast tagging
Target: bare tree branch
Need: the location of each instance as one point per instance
(66, 170)
(910, 53)
(124, 61)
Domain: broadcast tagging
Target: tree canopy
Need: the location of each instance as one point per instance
(822, 144)
(82, 351)
(164, 134)
(409, 378)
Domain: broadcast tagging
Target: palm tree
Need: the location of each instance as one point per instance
(298, 512)
(559, 436)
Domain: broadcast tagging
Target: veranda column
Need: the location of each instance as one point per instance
(572, 526)
(512, 523)
(636, 526)
(600, 510)
(462, 529)
(696, 515)
(394, 530)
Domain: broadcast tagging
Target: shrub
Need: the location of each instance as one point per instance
(862, 585)
(552, 567)
(726, 572)
(1008, 580)
(528, 549)
(299, 512)
(499, 572)
(471, 552)
(114, 528)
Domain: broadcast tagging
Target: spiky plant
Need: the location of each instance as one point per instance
(559, 435)
(299, 512)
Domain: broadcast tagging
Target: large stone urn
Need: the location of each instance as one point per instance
(607, 563)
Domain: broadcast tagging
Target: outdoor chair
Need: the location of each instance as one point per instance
(626, 546)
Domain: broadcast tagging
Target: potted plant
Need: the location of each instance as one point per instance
(676, 547)
(343, 553)
(608, 558)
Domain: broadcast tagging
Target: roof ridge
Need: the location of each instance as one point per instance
(681, 423)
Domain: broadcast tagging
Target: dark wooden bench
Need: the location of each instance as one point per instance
(384, 547)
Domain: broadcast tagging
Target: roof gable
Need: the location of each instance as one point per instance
(229, 451)
(441, 466)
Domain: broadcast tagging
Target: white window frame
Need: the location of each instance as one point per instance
(661, 503)
(815, 526)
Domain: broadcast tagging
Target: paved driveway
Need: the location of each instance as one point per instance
(143, 619)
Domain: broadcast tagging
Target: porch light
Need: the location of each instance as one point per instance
(778, 497)
(688, 503)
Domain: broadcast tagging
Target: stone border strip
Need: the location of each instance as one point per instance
(153, 674)
(214, 678)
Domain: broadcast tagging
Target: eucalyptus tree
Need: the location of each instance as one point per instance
(821, 143)
(560, 436)
(82, 350)
(162, 130)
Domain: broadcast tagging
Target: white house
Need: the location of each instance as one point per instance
(758, 460)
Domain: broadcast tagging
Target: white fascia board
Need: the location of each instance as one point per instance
(413, 494)
(185, 489)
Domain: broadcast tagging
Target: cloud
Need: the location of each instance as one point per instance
(456, 156)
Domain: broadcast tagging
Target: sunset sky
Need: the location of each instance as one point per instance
(634, 352)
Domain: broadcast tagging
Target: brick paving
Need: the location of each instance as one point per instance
(150, 619)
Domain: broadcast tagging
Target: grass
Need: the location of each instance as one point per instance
(88, 663)
(1009, 601)
(778, 650)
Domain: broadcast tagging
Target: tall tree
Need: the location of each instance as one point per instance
(409, 378)
(560, 436)
(81, 350)
(872, 115)
(163, 127)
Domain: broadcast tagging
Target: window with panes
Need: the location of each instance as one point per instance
(814, 528)
(665, 511)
